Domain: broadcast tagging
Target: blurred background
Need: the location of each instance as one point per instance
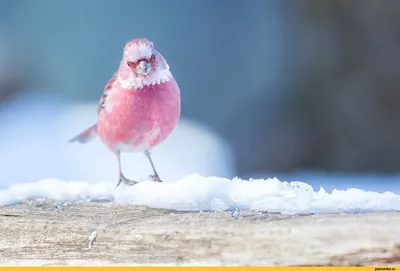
(305, 90)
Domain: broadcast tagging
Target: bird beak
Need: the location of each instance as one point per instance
(144, 67)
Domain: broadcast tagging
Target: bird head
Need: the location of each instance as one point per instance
(142, 65)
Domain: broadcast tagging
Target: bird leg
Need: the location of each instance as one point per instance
(155, 176)
(122, 178)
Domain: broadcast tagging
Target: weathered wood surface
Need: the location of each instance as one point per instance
(42, 234)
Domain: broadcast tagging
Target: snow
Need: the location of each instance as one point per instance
(198, 193)
(92, 238)
(371, 181)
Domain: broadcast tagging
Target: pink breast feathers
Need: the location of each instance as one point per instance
(134, 121)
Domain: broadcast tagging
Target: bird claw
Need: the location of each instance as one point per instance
(123, 179)
(156, 178)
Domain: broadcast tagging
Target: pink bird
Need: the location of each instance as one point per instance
(140, 105)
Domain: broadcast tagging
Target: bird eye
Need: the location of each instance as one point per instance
(129, 63)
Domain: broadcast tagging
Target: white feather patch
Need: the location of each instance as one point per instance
(138, 51)
(154, 78)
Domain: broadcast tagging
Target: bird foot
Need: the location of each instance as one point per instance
(156, 178)
(123, 179)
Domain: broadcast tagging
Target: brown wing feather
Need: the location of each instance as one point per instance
(108, 87)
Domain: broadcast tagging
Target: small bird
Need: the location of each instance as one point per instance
(140, 105)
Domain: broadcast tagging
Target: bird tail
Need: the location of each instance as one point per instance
(88, 135)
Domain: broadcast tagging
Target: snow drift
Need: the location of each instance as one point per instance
(198, 193)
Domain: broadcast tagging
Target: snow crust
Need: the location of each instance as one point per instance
(198, 193)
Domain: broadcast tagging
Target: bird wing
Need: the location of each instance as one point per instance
(109, 86)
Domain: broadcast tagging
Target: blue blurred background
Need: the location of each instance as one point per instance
(304, 90)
